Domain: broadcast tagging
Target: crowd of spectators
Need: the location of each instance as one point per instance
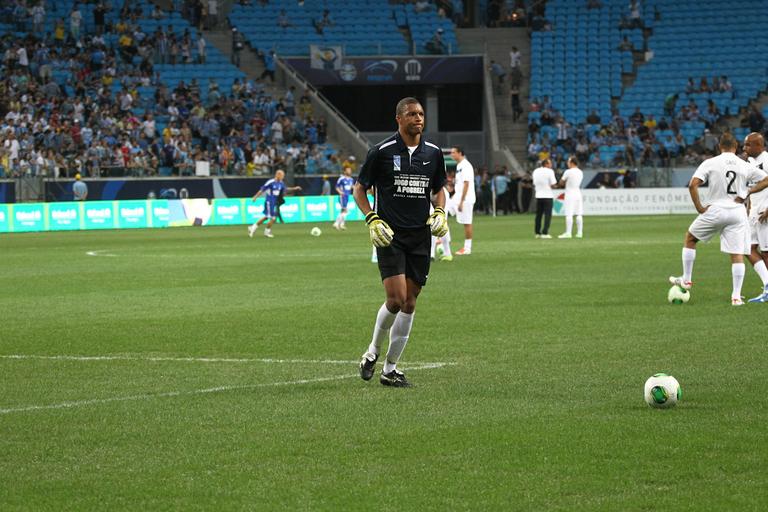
(91, 103)
(638, 140)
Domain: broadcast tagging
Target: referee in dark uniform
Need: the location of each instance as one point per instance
(407, 172)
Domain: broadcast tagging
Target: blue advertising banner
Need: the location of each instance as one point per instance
(424, 70)
(5, 224)
(27, 217)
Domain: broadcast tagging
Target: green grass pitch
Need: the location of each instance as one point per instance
(549, 344)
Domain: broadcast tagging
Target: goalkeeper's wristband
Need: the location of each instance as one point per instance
(371, 216)
(439, 209)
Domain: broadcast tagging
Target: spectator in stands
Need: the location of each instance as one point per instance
(213, 13)
(238, 44)
(436, 45)
(38, 17)
(691, 87)
(270, 65)
(421, 6)
(756, 120)
(669, 104)
(725, 84)
(593, 118)
(498, 75)
(704, 85)
(626, 45)
(514, 98)
(515, 59)
(637, 118)
(501, 186)
(324, 21)
(282, 20)
(75, 20)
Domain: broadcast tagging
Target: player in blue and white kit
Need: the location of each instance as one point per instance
(344, 187)
(271, 191)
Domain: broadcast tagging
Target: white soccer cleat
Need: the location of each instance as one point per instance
(252, 230)
(685, 285)
(546, 237)
(565, 235)
(579, 235)
(736, 301)
(268, 233)
(336, 226)
(537, 236)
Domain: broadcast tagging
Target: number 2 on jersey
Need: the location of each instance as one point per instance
(732, 176)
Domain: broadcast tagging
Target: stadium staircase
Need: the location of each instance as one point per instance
(496, 44)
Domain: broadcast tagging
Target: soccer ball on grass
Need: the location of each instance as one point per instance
(662, 391)
(677, 295)
(315, 231)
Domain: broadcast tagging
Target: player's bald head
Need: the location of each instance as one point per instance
(754, 144)
(728, 142)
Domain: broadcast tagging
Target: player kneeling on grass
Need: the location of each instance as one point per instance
(405, 169)
(272, 190)
(726, 215)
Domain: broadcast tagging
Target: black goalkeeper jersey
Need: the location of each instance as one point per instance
(403, 182)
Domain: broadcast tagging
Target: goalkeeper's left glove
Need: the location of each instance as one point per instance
(438, 222)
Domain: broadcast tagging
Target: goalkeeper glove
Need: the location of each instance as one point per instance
(438, 222)
(381, 233)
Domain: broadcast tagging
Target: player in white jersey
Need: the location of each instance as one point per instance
(727, 176)
(444, 253)
(464, 187)
(574, 204)
(754, 147)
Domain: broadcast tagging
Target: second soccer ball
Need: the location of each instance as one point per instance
(315, 231)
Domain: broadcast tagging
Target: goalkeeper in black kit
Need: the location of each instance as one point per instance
(405, 171)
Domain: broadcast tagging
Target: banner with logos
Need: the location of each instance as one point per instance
(424, 70)
(162, 213)
(325, 57)
(632, 201)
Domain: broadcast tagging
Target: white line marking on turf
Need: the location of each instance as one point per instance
(101, 252)
(217, 389)
(194, 359)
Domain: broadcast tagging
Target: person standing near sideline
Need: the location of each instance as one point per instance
(79, 189)
(404, 169)
(543, 180)
(574, 205)
(465, 197)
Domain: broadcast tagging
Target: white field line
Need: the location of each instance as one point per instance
(193, 359)
(217, 389)
(101, 252)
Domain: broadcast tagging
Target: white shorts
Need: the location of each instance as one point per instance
(574, 205)
(465, 215)
(758, 233)
(731, 223)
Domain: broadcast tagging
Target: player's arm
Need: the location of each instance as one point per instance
(257, 195)
(438, 221)
(297, 188)
(693, 189)
(379, 231)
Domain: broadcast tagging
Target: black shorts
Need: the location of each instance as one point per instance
(407, 254)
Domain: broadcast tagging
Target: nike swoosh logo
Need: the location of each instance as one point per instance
(425, 163)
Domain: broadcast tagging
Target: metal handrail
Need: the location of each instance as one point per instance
(287, 68)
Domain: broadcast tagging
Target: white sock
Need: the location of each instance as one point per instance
(569, 224)
(398, 337)
(737, 271)
(432, 248)
(338, 220)
(343, 218)
(468, 245)
(447, 244)
(579, 224)
(384, 321)
(762, 271)
(689, 255)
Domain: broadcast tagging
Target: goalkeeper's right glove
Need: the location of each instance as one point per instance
(381, 233)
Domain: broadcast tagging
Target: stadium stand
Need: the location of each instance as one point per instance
(131, 95)
(364, 27)
(579, 64)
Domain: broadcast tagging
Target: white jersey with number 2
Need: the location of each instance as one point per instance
(727, 176)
